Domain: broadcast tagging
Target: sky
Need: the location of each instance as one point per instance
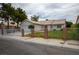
(68, 11)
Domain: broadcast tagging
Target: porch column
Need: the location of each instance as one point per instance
(46, 32)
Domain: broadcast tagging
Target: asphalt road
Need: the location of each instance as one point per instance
(16, 47)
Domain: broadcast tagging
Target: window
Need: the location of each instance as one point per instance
(51, 26)
(58, 26)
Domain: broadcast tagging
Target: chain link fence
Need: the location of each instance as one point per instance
(7, 31)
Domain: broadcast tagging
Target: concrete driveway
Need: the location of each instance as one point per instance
(17, 47)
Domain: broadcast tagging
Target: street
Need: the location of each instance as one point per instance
(17, 47)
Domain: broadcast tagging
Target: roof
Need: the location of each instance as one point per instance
(49, 22)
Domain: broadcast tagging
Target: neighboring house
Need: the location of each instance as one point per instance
(77, 21)
(39, 25)
(11, 23)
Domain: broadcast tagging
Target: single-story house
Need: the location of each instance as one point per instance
(39, 25)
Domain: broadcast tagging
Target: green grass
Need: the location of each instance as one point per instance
(55, 34)
(51, 34)
(58, 34)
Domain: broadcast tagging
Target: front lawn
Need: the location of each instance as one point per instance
(57, 34)
(51, 34)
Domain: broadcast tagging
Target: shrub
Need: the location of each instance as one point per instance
(68, 24)
(54, 29)
(61, 29)
(31, 26)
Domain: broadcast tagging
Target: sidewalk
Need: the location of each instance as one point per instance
(53, 42)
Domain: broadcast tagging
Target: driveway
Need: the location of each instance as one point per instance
(17, 47)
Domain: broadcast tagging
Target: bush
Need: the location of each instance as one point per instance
(68, 24)
(61, 29)
(54, 29)
(31, 26)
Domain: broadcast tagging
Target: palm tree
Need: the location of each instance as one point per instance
(34, 18)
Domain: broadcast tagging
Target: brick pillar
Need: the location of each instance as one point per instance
(46, 32)
(65, 33)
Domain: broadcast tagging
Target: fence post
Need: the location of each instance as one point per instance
(2, 31)
(22, 32)
(64, 33)
(46, 31)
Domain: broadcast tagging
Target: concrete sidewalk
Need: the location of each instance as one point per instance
(53, 42)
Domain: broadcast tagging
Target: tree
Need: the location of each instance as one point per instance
(68, 24)
(3, 14)
(34, 18)
(6, 12)
(19, 16)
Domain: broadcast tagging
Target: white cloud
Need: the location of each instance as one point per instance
(51, 10)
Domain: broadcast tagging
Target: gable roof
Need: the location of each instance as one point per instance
(49, 22)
